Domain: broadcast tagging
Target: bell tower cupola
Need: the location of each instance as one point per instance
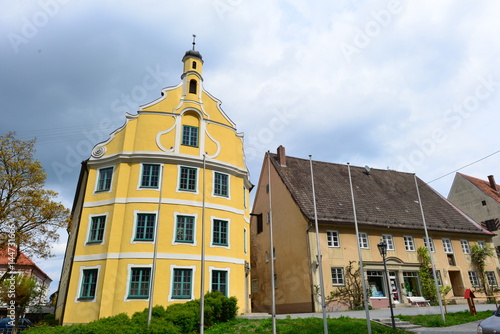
(193, 62)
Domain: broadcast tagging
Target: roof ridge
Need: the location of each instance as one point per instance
(343, 164)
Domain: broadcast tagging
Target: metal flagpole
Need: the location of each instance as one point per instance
(155, 251)
(429, 251)
(270, 217)
(202, 287)
(361, 270)
(320, 259)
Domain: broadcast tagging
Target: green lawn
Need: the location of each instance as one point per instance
(340, 325)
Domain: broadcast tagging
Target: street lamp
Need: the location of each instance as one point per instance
(382, 248)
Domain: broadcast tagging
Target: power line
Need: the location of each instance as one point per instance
(470, 164)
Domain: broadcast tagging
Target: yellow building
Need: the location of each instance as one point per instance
(172, 173)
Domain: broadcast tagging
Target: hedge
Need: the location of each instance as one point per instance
(180, 318)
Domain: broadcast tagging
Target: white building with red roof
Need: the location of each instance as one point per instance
(25, 265)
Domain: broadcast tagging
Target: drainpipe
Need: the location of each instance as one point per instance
(309, 263)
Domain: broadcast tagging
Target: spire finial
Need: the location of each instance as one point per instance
(194, 40)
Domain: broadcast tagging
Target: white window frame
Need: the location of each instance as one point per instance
(331, 236)
(130, 266)
(97, 191)
(174, 242)
(178, 185)
(141, 172)
(481, 244)
(228, 185)
(439, 278)
(363, 236)
(336, 278)
(389, 241)
(228, 270)
(87, 243)
(136, 214)
(492, 278)
(409, 243)
(80, 280)
(431, 244)
(245, 243)
(465, 246)
(447, 245)
(228, 246)
(193, 280)
(244, 197)
(473, 276)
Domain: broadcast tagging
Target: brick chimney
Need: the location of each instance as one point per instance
(281, 155)
(493, 185)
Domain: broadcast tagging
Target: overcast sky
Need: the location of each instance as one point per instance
(411, 86)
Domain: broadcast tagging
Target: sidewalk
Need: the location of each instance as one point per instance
(386, 313)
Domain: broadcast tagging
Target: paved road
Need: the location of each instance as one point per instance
(385, 313)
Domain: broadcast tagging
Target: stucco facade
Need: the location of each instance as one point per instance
(480, 200)
(171, 173)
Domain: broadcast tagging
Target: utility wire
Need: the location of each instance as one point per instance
(472, 163)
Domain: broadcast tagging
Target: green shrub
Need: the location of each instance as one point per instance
(180, 318)
(186, 316)
(223, 308)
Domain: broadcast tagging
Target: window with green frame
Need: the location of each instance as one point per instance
(190, 135)
(97, 226)
(150, 176)
(104, 180)
(145, 227)
(219, 236)
(184, 229)
(89, 284)
(181, 287)
(221, 184)
(188, 179)
(219, 281)
(139, 282)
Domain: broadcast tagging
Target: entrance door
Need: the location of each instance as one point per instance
(456, 283)
(394, 285)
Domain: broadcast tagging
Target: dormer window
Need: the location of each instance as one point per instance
(194, 65)
(192, 86)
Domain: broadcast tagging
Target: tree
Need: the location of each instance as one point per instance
(478, 256)
(443, 290)
(29, 217)
(351, 294)
(425, 274)
(18, 292)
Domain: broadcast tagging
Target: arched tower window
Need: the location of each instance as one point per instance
(190, 129)
(192, 86)
(194, 65)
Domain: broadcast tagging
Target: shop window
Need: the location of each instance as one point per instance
(411, 284)
(376, 283)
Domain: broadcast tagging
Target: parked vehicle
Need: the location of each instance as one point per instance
(490, 325)
(6, 328)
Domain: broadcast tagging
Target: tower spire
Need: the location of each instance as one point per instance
(194, 41)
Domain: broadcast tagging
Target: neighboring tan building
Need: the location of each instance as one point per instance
(27, 267)
(387, 207)
(480, 200)
(158, 156)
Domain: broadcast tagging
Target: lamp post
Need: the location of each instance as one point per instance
(382, 248)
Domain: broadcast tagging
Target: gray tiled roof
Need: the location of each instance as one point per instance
(384, 198)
